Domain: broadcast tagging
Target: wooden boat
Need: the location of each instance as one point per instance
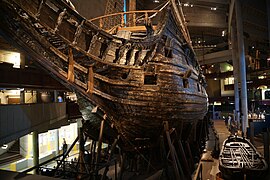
(238, 156)
(136, 83)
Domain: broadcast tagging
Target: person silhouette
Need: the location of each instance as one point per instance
(64, 146)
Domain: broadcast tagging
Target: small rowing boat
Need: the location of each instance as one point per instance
(238, 157)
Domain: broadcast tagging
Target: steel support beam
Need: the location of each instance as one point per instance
(57, 141)
(35, 150)
(268, 15)
(236, 77)
(230, 15)
(241, 50)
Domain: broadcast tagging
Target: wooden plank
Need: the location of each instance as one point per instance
(65, 58)
(136, 28)
(70, 76)
(90, 82)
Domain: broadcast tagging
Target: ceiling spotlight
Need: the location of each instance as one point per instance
(156, 1)
(213, 8)
(223, 33)
(4, 146)
(191, 5)
(186, 4)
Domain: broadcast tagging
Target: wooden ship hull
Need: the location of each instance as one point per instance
(238, 157)
(135, 83)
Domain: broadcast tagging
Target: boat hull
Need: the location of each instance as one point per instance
(238, 157)
(137, 84)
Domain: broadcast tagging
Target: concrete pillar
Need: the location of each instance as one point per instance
(55, 96)
(242, 68)
(22, 61)
(35, 150)
(22, 97)
(24, 149)
(214, 116)
(57, 141)
(268, 14)
(39, 97)
(236, 76)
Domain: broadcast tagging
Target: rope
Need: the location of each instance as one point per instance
(160, 9)
(163, 5)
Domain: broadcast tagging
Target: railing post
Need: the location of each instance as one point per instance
(134, 19)
(35, 151)
(101, 23)
(146, 16)
(122, 20)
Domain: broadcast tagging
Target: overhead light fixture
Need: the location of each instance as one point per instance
(11, 57)
(261, 77)
(186, 4)
(213, 8)
(4, 146)
(223, 33)
(217, 103)
(156, 1)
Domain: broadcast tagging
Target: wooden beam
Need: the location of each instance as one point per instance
(172, 152)
(90, 82)
(70, 76)
(132, 17)
(135, 28)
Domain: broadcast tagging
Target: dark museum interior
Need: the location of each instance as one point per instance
(134, 89)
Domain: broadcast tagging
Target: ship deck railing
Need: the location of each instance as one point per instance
(133, 21)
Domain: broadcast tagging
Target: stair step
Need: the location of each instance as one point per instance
(10, 157)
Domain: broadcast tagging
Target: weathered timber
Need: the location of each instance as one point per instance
(137, 82)
(238, 156)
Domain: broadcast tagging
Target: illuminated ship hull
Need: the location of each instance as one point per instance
(137, 84)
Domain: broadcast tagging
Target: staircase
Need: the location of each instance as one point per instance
(12, 154)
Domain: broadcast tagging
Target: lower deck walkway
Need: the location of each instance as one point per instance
(208, 163)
